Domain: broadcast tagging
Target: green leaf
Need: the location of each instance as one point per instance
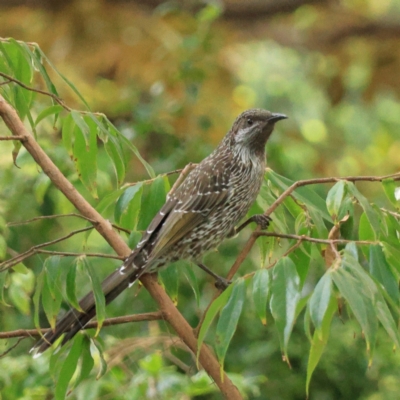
(389, 186)
(304, 194)
(285, 294)
(170, 279)
(392, 255)
(100, 354)
(36, 298)
(229, 319)
(372, 216)
(82, 125)
(361, 304)
(130, 145)
(320, 299)
(71, 286)
(129, 204)
(3, 248)
(68, 128)
(108, 200)
(365, 231)
(319, 341)
(87, 362)
(115, 153)
(212, 311)
(40, 54)
(51, 303)
(20, 289)
(192, 279)
(3, 285)
(98, 294)
(260, 293)
(152, 200)
(381, 271)
(52, 110)
(334, 199)
(85, 158)
(36, 58)
(68, 368)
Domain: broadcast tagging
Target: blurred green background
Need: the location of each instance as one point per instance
(172, 76)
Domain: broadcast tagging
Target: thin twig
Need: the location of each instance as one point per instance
(181, 178)
(53, 96)
(5, 82)
(147, 181)
(33, 250)
(151, 316)
(12, 347)
(21, 138)
(69, 254)
(315, 240)
(119, 228)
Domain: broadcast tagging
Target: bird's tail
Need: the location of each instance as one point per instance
(73, 321)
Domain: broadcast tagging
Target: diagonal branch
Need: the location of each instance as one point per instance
(167, 307)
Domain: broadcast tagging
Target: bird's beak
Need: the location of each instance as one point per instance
(275, 117)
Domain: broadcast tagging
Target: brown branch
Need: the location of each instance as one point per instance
(250, 242)
(151, 316)
(287, 192)
(167, 307)
(34, 249)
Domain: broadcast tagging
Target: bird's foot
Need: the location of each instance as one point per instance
(262, 220)
(222, 283)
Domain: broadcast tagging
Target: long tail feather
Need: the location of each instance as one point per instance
(74, 320)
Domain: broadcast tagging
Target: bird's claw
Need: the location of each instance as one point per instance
(262, 220)
(222, 283)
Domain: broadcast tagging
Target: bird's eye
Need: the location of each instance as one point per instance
(249, 122)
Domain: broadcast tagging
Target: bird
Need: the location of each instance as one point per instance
(196, 217)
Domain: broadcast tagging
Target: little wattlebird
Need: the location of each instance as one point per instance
(196, 217)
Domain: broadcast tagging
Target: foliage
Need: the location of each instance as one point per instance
(305, 287)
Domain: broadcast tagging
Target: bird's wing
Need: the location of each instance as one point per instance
(193, 201)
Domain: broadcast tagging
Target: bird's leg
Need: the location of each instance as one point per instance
(260, 219)
(220, 282)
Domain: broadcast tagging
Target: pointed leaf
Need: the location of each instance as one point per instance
(85, 157)
(319, 341)
(52, 110)
(212, 311)
(381, 271)
(334, 199)
(71, 287)
(320, 299)
(98, 294)
(372, 216)
(152, 200)
(285, 294)
(229, 319)
(68, 368)
(260, 293)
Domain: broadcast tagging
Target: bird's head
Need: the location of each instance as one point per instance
(252, 129)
